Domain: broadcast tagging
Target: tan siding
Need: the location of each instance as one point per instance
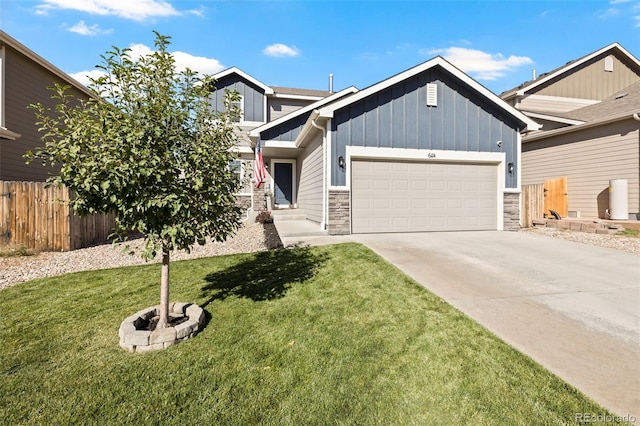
(542, 104)
(280, 107)
(589, 159)
(25, 83)
(310, 187)
(592, 81)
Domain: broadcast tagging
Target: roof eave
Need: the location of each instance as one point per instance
(578, 127)
(529, 124)
(24, 50)
(235, 70)
(574, 64)
(8, 134)
(255, 133)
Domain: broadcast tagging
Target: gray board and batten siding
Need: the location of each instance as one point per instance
(287, 131)
(252, 95)
(398, 117)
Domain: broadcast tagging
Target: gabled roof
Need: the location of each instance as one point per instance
(569, 66)
(552, 116)
(24, 50)
(530, 125)
(234, 70)
(290, 92)
(624, 105)
(255, 133)
(626, 101)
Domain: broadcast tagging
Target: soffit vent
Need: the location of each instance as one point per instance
(432, 94)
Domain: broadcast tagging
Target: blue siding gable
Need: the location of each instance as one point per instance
(286, 131)
(398, 117)
(253, 96)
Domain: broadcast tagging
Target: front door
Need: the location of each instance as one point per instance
(283, 183)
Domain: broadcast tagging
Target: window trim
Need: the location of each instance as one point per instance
(244, 164)
(240, 104)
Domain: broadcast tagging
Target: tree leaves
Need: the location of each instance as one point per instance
(149, 148)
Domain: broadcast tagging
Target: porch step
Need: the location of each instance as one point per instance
(293, 223)
(289, 214)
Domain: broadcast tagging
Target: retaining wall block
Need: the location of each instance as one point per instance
(162, 335)
(185, 329)
(147, 348)
(137, 337)
(180, 308)
(195, 313)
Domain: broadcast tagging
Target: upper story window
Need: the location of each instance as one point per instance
(239, 104)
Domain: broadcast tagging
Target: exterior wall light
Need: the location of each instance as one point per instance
(511, 168)
(341, 164)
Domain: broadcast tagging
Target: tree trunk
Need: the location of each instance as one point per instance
(164, 290)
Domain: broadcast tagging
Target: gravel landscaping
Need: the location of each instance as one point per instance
(616, 242)
(16, 269)
(249, 238)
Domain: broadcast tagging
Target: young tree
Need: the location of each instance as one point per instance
(149, 148)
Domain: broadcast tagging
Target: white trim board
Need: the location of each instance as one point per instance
(235, 70)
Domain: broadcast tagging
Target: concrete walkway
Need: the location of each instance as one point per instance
(573, 308)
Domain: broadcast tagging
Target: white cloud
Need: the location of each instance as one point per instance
(481, 65)
(83, 29)
(83, 76)
(183, 60)
(619, 1)
(604, 14)
(136, 10)
(197, 63)
(280, 50)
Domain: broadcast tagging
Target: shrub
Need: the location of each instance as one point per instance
(264, 217)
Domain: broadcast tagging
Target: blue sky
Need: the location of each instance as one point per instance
(299, 43)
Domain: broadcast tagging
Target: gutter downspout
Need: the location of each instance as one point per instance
(323, 223)
(636, 116)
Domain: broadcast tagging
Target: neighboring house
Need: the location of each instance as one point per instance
(589, 112)
(428, 149)
(24, 78)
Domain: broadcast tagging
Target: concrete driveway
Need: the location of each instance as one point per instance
(572, 307)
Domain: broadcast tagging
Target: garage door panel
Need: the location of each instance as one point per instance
(414, 197)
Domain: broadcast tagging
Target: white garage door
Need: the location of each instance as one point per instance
(396, 196)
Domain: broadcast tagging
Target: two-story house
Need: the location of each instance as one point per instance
(24, 79)
(428, 149)
(589, 111)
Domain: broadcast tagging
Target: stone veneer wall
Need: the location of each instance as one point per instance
(244, 202)
(339, 212)
(511, 211)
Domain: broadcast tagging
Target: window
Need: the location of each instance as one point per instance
(239, 104)
(243, 171)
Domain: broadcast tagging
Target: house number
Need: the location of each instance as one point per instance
(432, 155)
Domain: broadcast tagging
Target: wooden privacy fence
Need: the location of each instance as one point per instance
(32, 216)
(532, 203)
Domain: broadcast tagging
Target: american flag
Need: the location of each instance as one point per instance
(260, 172)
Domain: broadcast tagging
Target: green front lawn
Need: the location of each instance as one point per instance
(307, 336)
